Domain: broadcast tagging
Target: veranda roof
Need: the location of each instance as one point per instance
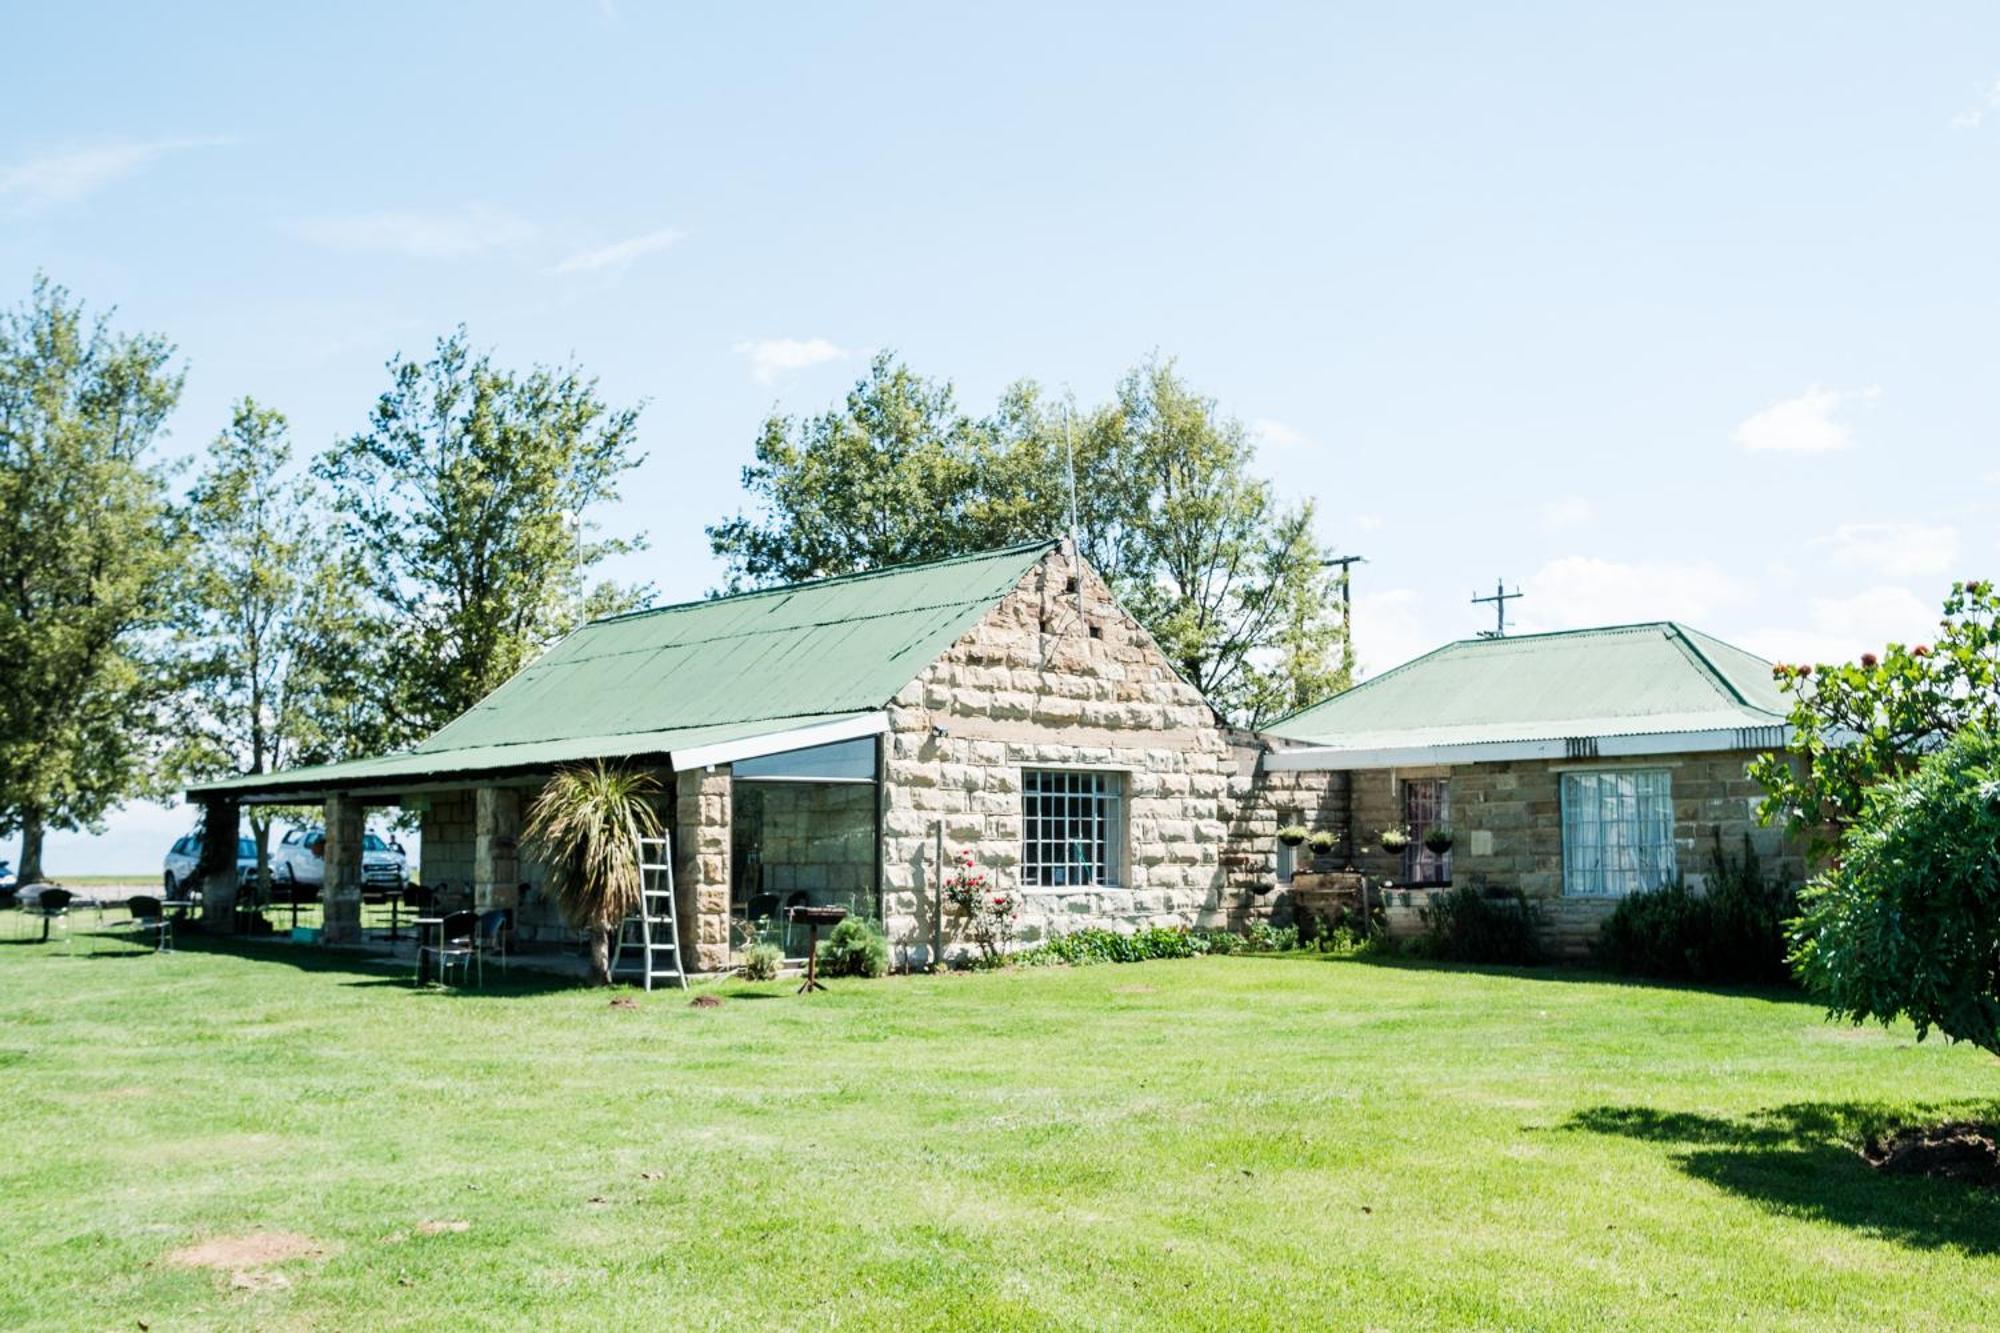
(699, 682)
(1626, 689)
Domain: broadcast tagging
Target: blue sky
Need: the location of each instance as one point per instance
(1683, 313)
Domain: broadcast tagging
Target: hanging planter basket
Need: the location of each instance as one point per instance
(1292, 835)
(1394, 841)
(1439, 840)
(1322, 842)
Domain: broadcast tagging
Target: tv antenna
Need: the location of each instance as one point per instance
(1499, 599)
(1069, 466)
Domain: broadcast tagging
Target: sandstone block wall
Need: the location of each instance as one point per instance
(1056, 676)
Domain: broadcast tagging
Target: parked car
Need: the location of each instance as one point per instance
(184, 857)
(299, 859)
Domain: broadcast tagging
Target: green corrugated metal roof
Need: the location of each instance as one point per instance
(1624, 680)
(703, 672)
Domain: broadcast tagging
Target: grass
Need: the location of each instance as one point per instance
(1242, 1142)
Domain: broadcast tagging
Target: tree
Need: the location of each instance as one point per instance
(1857, 724)
(1228, 581)
(270, 636)
(466, 501)
(1908, 921)
(884, 479)
(584, 827)
(86, 569)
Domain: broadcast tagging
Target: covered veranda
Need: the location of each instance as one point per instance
(764, 817)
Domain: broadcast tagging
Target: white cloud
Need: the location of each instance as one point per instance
(1840, 629)
(1802, 425)
(1567, 512)
(1387, 631)
(1277, 435)
(1896, 550)
(772, 357)
(1576, 591)
(1975, 115)
(1369, 522)
(460, 235)
(71, 174)
(619, 254)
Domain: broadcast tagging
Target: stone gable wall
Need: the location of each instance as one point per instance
(1056, 676)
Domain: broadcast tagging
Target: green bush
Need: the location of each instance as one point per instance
(1908, 923)
(1733, 932)
(1081, 948)
(854, 948)
(1468, 925)
(762, 961)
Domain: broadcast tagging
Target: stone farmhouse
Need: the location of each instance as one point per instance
(1576, 767)
(838, 742)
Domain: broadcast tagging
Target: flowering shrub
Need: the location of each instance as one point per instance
(987, 913)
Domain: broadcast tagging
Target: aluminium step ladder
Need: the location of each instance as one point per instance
(653, 932)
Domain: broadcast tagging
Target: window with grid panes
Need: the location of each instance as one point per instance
(1426, 805)
(1618, 831)
(1071, 829)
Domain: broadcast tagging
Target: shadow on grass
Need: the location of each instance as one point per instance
(1572, 973)
(1804, 1159)
(376, 970)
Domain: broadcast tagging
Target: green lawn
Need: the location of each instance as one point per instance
(1228, 1142)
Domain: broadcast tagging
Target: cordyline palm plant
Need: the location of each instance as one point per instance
(585, 828)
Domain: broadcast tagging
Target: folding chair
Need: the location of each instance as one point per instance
(458, 943)
(149, 918)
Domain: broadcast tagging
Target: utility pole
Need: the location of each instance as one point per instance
(1344, 562)
(1499, 599)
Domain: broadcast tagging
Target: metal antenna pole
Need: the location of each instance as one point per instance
(1345, 563)
(1069, 466)
(1499, 599)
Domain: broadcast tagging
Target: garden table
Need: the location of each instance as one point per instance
(812, 918)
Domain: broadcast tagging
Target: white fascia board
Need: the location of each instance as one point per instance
(1332, 758)
(777, 742)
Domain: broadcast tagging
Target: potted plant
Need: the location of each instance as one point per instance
(1292, 834)
(1321, 842)
(1438, 839)
(1394, 840)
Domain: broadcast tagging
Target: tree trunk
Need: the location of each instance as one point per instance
(30, 869)
(600, 955)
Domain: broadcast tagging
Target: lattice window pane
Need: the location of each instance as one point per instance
(1618, 831)
(1070, 829)
(1426, 805)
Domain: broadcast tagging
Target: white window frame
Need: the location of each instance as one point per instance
(1617, 831)
(1095, 800)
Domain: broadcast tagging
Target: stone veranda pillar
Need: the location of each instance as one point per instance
(216, 875)
(701, 865)
(496, 864)
(340, 891)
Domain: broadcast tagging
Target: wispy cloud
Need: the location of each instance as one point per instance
(68, 175)
(1987, 104)
(619, 254)
(1277, 435)
(772, 357)
(1567, 511)
(1896, 550)
(469, 231)
(1578, 591)
(1805, 424)
(1839, 629)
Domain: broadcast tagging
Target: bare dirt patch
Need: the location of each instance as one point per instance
(705, 1002)
(259, 1249)
(1959, 1150)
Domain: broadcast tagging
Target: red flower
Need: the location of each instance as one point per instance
(1920, 650)
(1868, 660)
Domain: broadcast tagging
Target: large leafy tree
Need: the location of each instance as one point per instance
(272, 640)
(86, 568)
(467, 501)
(1908, 921)
(1166, 507)
(1856, 724)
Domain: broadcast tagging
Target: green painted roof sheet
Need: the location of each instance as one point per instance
(703, 672)
(1620, 681)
